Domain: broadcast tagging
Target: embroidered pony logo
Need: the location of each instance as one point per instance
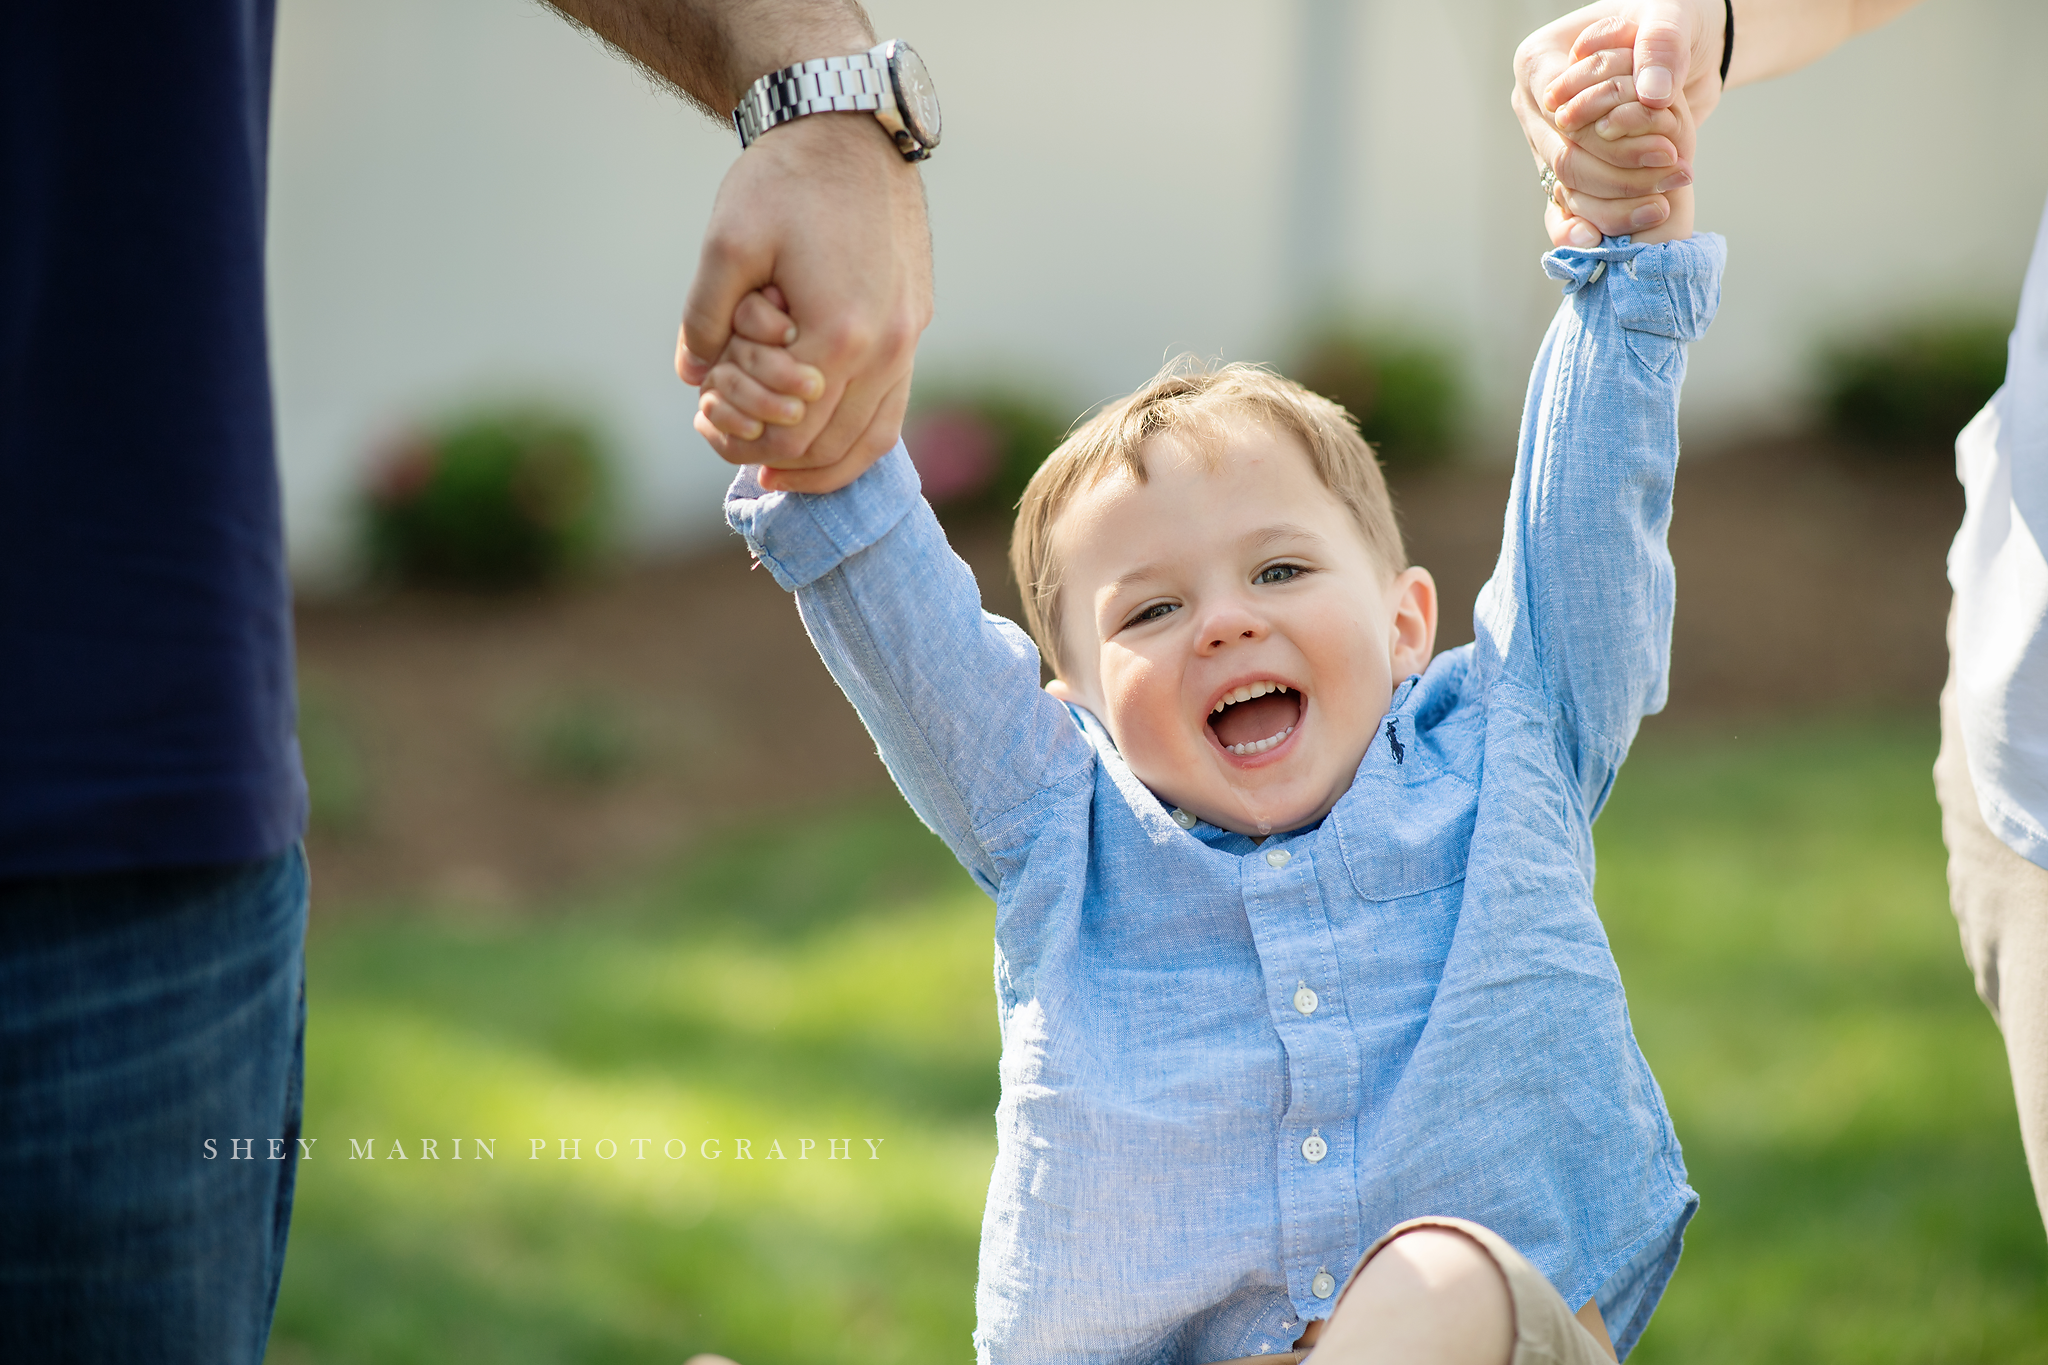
(1394, 743)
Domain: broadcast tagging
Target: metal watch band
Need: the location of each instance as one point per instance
(814, 87)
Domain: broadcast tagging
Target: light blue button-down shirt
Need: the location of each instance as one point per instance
(1183, 1151)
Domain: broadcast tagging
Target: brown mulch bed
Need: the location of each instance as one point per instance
(1810, 579)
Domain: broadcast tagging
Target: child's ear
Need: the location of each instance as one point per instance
(1061, 692)
(1411, 599)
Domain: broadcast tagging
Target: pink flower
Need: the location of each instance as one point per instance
(403, 469)
(956, 453)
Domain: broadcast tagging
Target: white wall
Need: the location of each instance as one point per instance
(471, 199)
(1905, 172)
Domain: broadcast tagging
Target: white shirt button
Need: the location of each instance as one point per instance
(1277, 857)
(1314, 1148)
(1323, 1285)
(1183, 819)
(1305, 1000)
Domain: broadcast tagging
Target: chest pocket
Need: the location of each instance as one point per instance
(1405, 838)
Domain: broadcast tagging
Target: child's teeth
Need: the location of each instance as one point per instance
(1246, 693)
(1259, 746)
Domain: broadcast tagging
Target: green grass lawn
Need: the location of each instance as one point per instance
(1776, 902)
(1778, 908)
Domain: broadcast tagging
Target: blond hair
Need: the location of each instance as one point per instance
(1192, 400)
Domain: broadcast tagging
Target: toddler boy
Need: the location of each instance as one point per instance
(1295, 933)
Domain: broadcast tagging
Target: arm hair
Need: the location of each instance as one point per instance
(710, 51)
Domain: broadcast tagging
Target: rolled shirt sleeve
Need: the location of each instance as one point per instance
(950, 692)
(1578, 611)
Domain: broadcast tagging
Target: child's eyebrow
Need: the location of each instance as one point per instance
(1286, 530)
(1143, 574)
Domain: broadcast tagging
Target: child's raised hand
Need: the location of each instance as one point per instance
(1610, 113)
(1634, 133)
(756, 382)
(1633, 155)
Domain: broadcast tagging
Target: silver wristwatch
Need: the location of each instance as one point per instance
(889, 80)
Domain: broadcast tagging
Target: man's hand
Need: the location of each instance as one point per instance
(825, 208)
(1617, 63)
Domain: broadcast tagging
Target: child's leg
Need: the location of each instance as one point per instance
(1449, 1292)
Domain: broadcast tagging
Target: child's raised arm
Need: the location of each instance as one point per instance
(1574, 627)
(950, 693)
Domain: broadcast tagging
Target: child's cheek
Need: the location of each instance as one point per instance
(1127, 677)
(1142, 704)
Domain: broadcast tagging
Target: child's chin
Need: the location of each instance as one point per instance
(1250, 810)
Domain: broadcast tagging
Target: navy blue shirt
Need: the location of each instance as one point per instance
(146, 698)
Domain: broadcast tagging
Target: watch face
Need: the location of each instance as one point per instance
(915, 97)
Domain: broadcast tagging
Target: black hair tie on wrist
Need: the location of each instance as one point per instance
(1727, 42)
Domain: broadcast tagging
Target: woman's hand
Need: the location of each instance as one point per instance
(1624, 64)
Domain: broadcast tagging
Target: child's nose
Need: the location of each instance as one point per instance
(1228, 626)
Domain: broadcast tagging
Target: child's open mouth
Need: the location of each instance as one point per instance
(1255, 717)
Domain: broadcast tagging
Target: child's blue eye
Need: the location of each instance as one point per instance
(1278, 573)
(1155, 611)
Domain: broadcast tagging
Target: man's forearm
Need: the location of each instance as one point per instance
(1773, 37)
(710, 51)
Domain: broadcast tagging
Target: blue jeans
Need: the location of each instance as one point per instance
(144, 1016)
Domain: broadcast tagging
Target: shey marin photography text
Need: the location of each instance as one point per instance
(558, 1149)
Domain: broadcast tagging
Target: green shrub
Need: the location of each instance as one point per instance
(976, 450)
(1915, 387)
(1027, 430)
(1404, 396)
(498, 500)
(583, 739)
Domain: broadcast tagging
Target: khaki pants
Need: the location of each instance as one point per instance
(2001, 906)
(1546, 1333)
